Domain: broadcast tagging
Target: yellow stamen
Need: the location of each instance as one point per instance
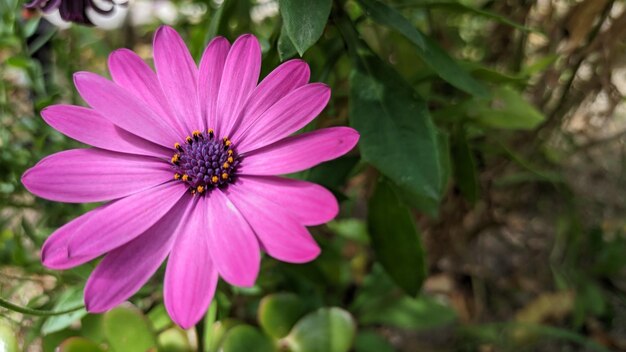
(177, 176)
(185, 177)
(224, 176)
(175, 158)
(178, 147)
(230, 159)
(227, 143)
(230, 152)
(200, 189)
(214, 179)
(226, 165)
(196, 134)
(210, 132)
(189, 140)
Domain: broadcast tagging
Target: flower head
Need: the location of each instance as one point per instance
(187, 159)
(76, 10)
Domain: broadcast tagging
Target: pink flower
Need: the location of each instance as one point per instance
(187, 159)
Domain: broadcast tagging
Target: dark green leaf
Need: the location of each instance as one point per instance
(433, 55)
(325, 330)
(369, 341)
(465, 173)
(397, 134)
(507, 110)
(245, 338)
(395, 239)
(279, 312)
(286, 49)
(304, 21)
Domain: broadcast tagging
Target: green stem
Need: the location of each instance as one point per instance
(29, 311)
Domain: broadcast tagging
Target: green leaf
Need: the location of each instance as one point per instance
(8, 339)
(218, 331)
(91, 328)
(159, 318)
(420, 313)
(71, 298)
(397, 134)
(304, 21)
(279, 312)
(352, 229)
(126, 329)
(433, 55)
(465, 173)
(507, 110)
(174, 340)
(325, 330)
(78, 344)
(245, 338)
(369, 341)
(286, 49)
(395, 239)
(378, 302)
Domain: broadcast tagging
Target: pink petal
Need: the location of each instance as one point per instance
(123, 109)
(130, 72)
(178, 75)
(310, 204)
(190, 277)
(285, 78)
(87, 126)
(285, 117)
(280, 234)
(108, 227)
(299, 152)
(241, 74)
(210, 76)
(94, 175)
(124, 270)
(234, 248)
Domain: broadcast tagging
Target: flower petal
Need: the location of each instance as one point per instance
(190, 277)
(94, 175)
(108, 227)
(130, 72)
(234, 248)
(310, 204)
(123, 109)
(87, 126)
(241, 74)
(285, 78)
(210, 76)
(178, 75)
(285, 117)
(280, 234)
(299, 152)
(124, 270)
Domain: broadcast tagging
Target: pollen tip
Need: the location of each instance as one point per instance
(186, 177)
(226, 165)
(224, 176)
(214, 179)
(200, 189)
(177, 176)
(189, 139)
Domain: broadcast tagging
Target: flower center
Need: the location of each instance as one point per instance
(204, 162)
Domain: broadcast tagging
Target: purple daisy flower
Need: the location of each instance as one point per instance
(74, 10)
(187, 159)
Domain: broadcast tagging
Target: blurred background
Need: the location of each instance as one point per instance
(483, 210)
